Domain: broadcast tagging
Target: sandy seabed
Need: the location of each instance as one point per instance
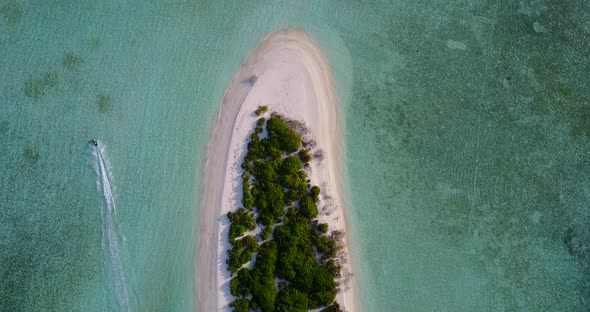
(293, 79)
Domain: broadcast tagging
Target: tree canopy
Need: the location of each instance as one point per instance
(293, 250)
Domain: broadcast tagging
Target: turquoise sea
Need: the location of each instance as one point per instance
(467, 156)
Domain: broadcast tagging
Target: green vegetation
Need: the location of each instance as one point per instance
(301, 255)
(315, 192)
(104, 103)
(305, 156)
(4, 127)
(72, 60)
(266, 233)
(12, 13)
(31, 155)
(37, 87)
(241, 252)
(282, 136)
(240, 305)
(241, 221)
(333, 308)
(261, 110)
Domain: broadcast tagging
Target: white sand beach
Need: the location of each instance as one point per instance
(293, 79)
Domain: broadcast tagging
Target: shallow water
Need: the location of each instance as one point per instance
(467, 128)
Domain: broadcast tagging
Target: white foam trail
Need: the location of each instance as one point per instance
(110, 238)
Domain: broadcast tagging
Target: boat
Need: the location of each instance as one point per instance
(94, 142)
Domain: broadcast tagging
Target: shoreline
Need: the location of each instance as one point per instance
(294, 79)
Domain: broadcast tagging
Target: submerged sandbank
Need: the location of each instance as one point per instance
(293, 79)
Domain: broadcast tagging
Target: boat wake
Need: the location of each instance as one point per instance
(110, 238)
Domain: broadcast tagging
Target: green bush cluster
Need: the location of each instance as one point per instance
(333, 308)
(240, 286)
(315, 192)
(281, 135)
(261, 110)
(242, 252)
(240, 305)
(305, 156)
(241, 221)
(281, 196)
(260, 122)
(266, 233)
(268, 193)
(242, 249)
(307, 207)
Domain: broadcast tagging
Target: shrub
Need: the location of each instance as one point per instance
(335, 307)
(307, 207)
(334, 242)
(334, 267)
(248, 201)
(264, 172)
(315, 192)
(296, 182)
(233, 286)
(274, 153)
(305, 156)
(270, 204)
(253, 305)
(278, 128)
(290, 165)
(323, 280)
(260, 122)
(261, 110)
(247, 166)
(321, 298)
(235, 230)
(242, 221)
(240, 285)
(256, 148)
(240, 305)
(263, 287)
(291, 196)
(290, 299)
(266, 233)
(322, 245)
(241, 252)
